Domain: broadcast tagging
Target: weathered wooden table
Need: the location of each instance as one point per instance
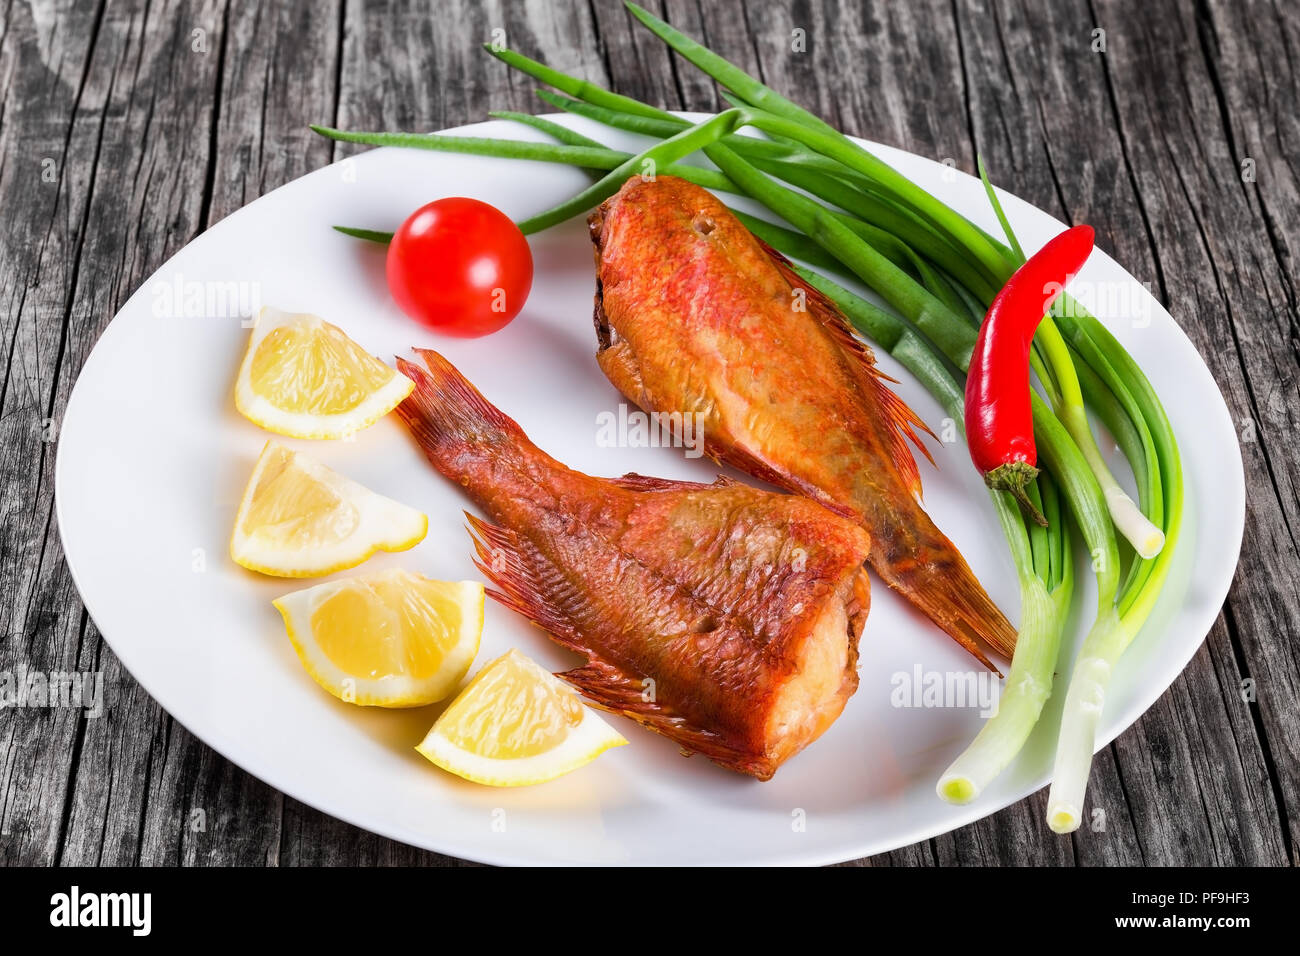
(127, 127)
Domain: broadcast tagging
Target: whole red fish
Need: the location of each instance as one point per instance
(695, 315)
(722, 616)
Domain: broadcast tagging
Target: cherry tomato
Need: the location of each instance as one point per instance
(460, 266)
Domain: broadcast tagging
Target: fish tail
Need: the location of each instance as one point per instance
(936, 579)
(454, 424)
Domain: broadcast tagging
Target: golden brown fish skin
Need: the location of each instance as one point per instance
(694, 314)
(722, 616)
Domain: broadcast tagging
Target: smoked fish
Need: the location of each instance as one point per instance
(722, 616)
(695, 316)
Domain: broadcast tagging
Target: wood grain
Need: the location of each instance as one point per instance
(127, 128)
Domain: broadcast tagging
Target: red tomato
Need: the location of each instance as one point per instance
(460, 266)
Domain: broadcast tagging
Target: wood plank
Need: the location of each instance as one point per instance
(1250, 53)
(148, 185)
(1220, 274)
(403, 69)
(152, 140)
(60, 117)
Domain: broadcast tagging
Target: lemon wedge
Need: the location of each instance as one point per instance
(516, 724)
(299, 519)
(304, 378)
(386, 639)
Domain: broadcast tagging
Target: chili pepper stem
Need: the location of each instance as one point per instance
(1012, 478)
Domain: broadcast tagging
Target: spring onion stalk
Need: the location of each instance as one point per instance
(660, 158)
(853, 156)
(476, 145)
(1099, 657)
(369, 235)
(1112, 415)
(552, 129)
(726, 73)
(1146, 465)
(582, 89)
(855, 216)
(645, 163)
(1146, 538)
(1106, 638)
(1043, 614)
(1017, 253)
(668, 124)
(561, 134)
(778, 116)
(928, 244)
(1131, 387)
(632, 115)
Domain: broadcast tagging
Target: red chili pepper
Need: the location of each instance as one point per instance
(999, 418)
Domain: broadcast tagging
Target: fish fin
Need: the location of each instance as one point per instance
(742, 459)
(445, 412)
(525, 581)
(609, 688)
(747, 462)
(905, 422)
(634, 482)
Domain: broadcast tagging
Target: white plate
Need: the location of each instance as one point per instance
(153, 457)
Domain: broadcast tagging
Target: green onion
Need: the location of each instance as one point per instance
(667, 124)
(597, 158)
(645, 163)
(370, 235)
(477, 146)
(1044, 608)
(1146, 538)
(561, 133)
